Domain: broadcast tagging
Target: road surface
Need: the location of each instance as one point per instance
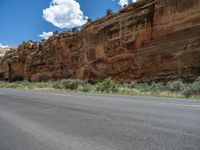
(36, 120)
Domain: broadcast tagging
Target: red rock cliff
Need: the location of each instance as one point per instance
(150, 40)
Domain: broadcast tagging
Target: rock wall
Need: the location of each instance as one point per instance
(155, 40)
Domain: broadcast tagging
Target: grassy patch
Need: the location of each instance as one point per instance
(175, 89)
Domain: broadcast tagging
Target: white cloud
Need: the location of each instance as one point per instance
(46, 35)
(3, 46)
(64, 14)
(123, 2)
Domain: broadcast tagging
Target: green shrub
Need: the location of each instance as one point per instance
(107, 85)
(86, 88)
(57, 85)
(192, 90)
(130, 85)
(157, 87)
(70, 84)
(16, 78)
(175, 86)
(197, 80)
(143, 87)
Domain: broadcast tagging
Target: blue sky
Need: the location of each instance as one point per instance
(23, 20)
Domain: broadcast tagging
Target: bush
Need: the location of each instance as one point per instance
(130, 85)
(197, 80)
(192, 90)
(157, 87)
(175, 86)
(143, 87)
(70, 84)
(86, 88)
(57, 85)
(16, 78)
(107, 85)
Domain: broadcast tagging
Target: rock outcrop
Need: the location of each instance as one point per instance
(155, 40)
(3, 50)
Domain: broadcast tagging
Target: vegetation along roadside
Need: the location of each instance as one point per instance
(176, 89)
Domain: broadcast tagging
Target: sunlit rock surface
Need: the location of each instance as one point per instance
(155, 40)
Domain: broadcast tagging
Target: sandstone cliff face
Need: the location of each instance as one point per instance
(3, 58)
(150, 40)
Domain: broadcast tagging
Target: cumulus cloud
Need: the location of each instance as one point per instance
(3, 46)
(64, 14)
(123, 2)
(46, 35)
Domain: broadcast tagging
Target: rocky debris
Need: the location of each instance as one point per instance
(151, 40)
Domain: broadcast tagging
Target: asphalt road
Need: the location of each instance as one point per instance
(35, 120)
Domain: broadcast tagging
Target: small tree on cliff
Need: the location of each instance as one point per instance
(109, 12)
(74, 29)
(89, 20)
(55, 33)
(43, 40)
(125, 6)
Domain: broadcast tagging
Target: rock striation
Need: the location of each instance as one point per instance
(151, 40)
